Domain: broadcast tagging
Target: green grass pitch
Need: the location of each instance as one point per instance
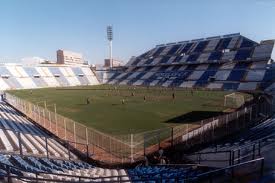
(143, 109)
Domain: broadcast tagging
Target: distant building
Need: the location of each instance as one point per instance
(116, 63)
(48, 62)
(69, 57)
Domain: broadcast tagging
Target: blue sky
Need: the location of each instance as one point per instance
(40, 27)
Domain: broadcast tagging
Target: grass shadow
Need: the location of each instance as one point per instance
(193, 116)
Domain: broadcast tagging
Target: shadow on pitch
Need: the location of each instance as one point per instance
(194, 116)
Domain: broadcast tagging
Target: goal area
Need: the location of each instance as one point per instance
(233, 100)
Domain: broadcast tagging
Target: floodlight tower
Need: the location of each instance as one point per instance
(110, 39)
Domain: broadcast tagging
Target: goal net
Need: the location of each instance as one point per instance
(233, 100)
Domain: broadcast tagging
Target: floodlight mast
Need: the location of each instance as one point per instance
(110, 39)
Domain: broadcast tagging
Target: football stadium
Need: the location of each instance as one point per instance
(199, 110)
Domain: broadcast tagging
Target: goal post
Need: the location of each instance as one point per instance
(234, 100)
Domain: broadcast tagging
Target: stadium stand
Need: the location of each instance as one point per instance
(14, 168)
(264, 133)
(57, 170)
(246, 144)
(15, 76)
(32, 163)
(17, 131)
(229, 62)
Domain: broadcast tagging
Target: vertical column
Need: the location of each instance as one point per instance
(44, 118)
(50, 121)
(39, 115)
(86, 134)
(55, 119)
(132, 150)
(65, 129)
(74, 136)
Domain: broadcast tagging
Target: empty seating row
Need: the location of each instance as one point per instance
(263, 132)
(233, 48)
(227, 76)
(71, 171)
(19, 133)
(21, 77)
(57, 170)
(230, 62)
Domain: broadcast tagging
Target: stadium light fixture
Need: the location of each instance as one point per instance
(110, 39)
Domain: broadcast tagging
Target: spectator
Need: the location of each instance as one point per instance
(146, 161)
(160, 152)
(88, 100)
(155, 160)
(163, 161)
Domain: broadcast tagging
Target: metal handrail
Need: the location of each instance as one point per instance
(232, 166)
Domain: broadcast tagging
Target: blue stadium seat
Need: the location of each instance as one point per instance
(148, 61)
(224, 43)
(136, 61)
(4, 71)
(174, 49)
(247, 43)
(231, 86)
(164, 60)
(236, 75)
(59, 76)
(200, 47)
(158, 51)
(211, 71)
(217, 55)
(193, 58)
(243, 54)
(186, 48)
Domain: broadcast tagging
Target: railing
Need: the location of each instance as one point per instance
(244, 169)
(226, 157)
(237, 155)
(217, 174)
(133, 147)
(199, 157)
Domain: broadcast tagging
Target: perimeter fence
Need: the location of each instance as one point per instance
(133, 147)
